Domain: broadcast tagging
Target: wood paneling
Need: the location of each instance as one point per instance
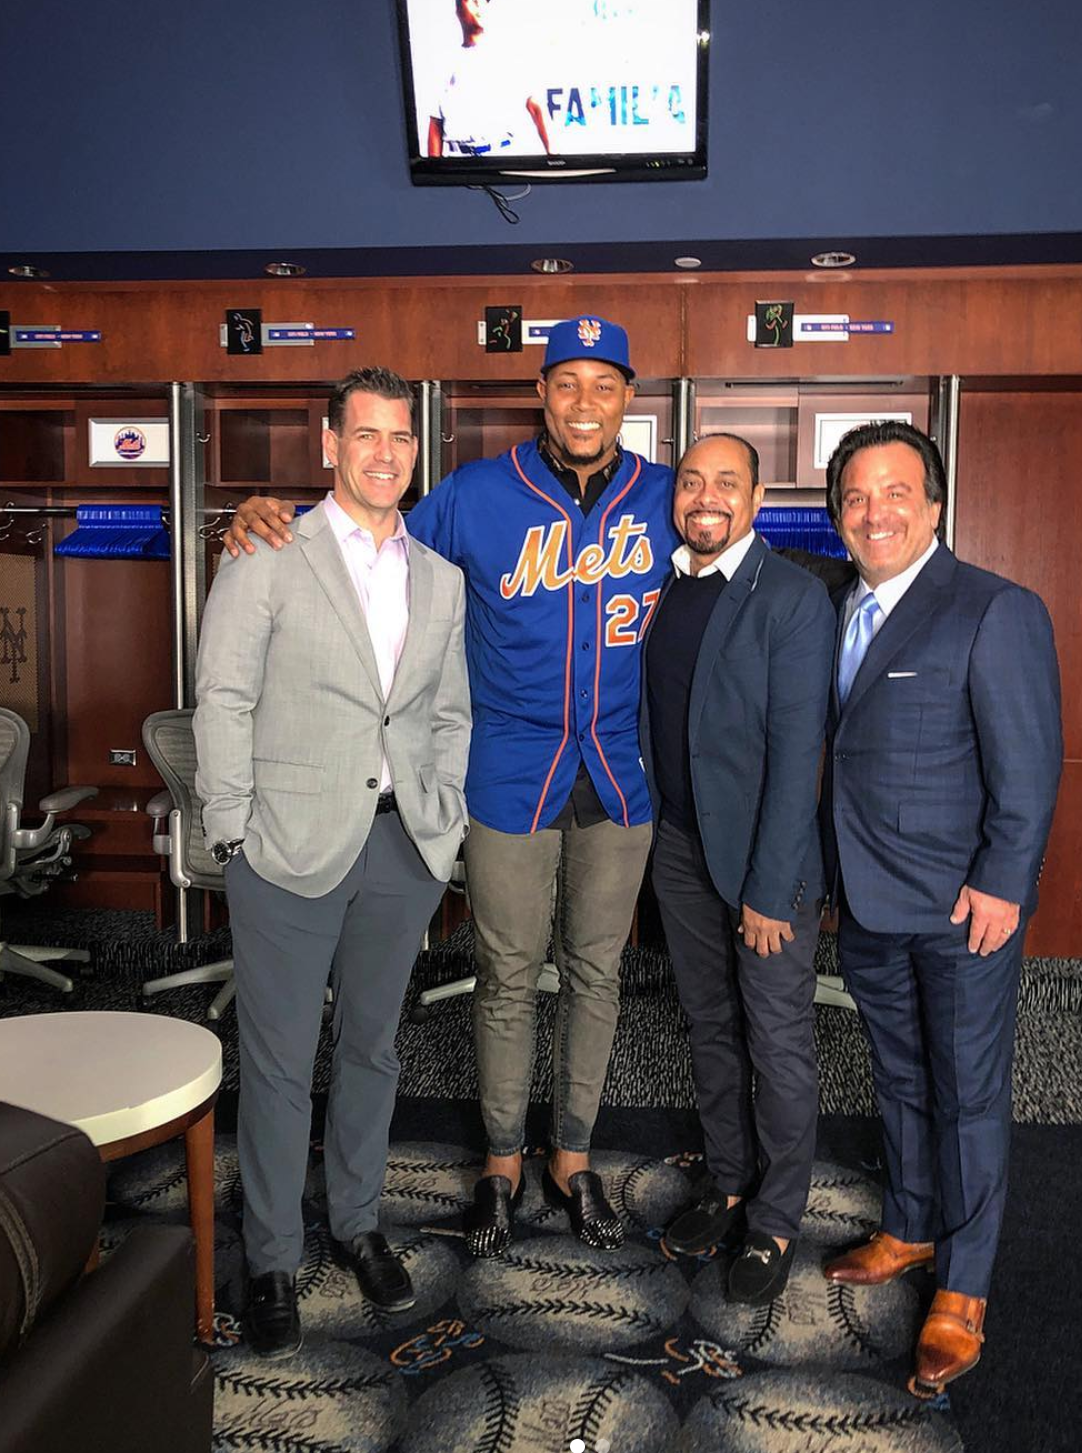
(135, 885)
(962, 324)
(116, 866)
(32, 445)
(252, 452)
(975, 321)
(1018, 513)
(112, 620)
(422, 328)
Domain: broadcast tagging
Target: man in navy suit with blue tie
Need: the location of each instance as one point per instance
(944, 749)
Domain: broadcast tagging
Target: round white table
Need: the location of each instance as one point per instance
(128, 1081)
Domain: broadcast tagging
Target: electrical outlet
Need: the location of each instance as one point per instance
(122, 756)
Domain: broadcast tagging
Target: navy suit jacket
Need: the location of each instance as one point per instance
(755, 730)
(943, 765)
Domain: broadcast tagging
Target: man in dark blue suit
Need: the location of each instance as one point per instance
(737, 671)
(943, 759)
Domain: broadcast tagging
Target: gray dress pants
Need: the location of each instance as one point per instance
(363, 936)
(597, 871)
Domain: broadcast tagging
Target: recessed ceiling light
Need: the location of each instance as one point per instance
(285, 269)
(26, 269)
(552, 264)
(833, 259)
(687, 261)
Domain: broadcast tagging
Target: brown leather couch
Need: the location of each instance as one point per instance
(101, 1362)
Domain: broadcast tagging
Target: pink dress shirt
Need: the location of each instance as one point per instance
(381, 580)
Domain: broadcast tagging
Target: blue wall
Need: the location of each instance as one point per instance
(216, 124)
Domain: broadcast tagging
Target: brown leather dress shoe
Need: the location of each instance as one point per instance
(884, 1258)
(950, 1342)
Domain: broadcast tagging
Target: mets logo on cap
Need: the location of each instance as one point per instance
(129, 442)
(589, 332)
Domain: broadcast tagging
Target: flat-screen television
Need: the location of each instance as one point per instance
(554, 90)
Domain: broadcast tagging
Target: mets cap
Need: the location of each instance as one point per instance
(587, 337)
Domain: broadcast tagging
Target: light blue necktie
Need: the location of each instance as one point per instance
(858, 637)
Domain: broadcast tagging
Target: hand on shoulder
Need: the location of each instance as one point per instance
(261, 515)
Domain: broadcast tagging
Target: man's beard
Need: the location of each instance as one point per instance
(577, 461)
(708, 542)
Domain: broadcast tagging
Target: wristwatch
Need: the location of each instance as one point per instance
(223, 853)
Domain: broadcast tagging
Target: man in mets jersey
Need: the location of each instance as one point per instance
(564, 542)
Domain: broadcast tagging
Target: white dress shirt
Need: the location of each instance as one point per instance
(381, 579)
(728, 562)
(888, 594)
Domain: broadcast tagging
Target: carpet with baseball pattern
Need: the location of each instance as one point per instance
(558, 1349)
(555, 1348)
(627, 1352)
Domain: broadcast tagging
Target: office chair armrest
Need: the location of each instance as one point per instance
(161, 804)
(54, 848)
(65, 798)
(28, 839)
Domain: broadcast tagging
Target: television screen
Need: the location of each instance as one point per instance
(554, 90)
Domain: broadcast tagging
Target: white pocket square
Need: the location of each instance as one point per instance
(899, 675)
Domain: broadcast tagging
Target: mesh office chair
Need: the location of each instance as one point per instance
(170, 744)
(31, 858)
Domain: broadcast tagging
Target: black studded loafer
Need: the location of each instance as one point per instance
(760, 1272)
(709, 1223)
(592, 1219)
(272, 1323)
(490, 1221)
(382, 1278)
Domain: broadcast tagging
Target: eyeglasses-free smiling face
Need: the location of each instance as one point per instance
(885, 518)
(584, 410)
(373, 457)
(715, 502)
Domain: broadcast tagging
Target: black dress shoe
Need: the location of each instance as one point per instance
(382, 1278)
(760, 1272)
(490, 1221)
(705, 1225)
(592, 1219)
(272, 1323)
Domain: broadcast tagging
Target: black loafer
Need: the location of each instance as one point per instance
(272, 1322)
(382, 1278)
(592, 1219)
(760, 1272)
(490, 1221)
(709, 1223)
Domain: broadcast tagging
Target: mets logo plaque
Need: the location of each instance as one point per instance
(130, 442)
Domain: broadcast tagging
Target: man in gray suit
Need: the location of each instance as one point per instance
(332, 733)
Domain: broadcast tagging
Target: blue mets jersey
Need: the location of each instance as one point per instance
(556, 606)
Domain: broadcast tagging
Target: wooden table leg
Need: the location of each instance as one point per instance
(199, 1154)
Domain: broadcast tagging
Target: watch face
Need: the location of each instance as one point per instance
(220, 853)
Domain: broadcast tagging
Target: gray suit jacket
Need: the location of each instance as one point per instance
(291, 720)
